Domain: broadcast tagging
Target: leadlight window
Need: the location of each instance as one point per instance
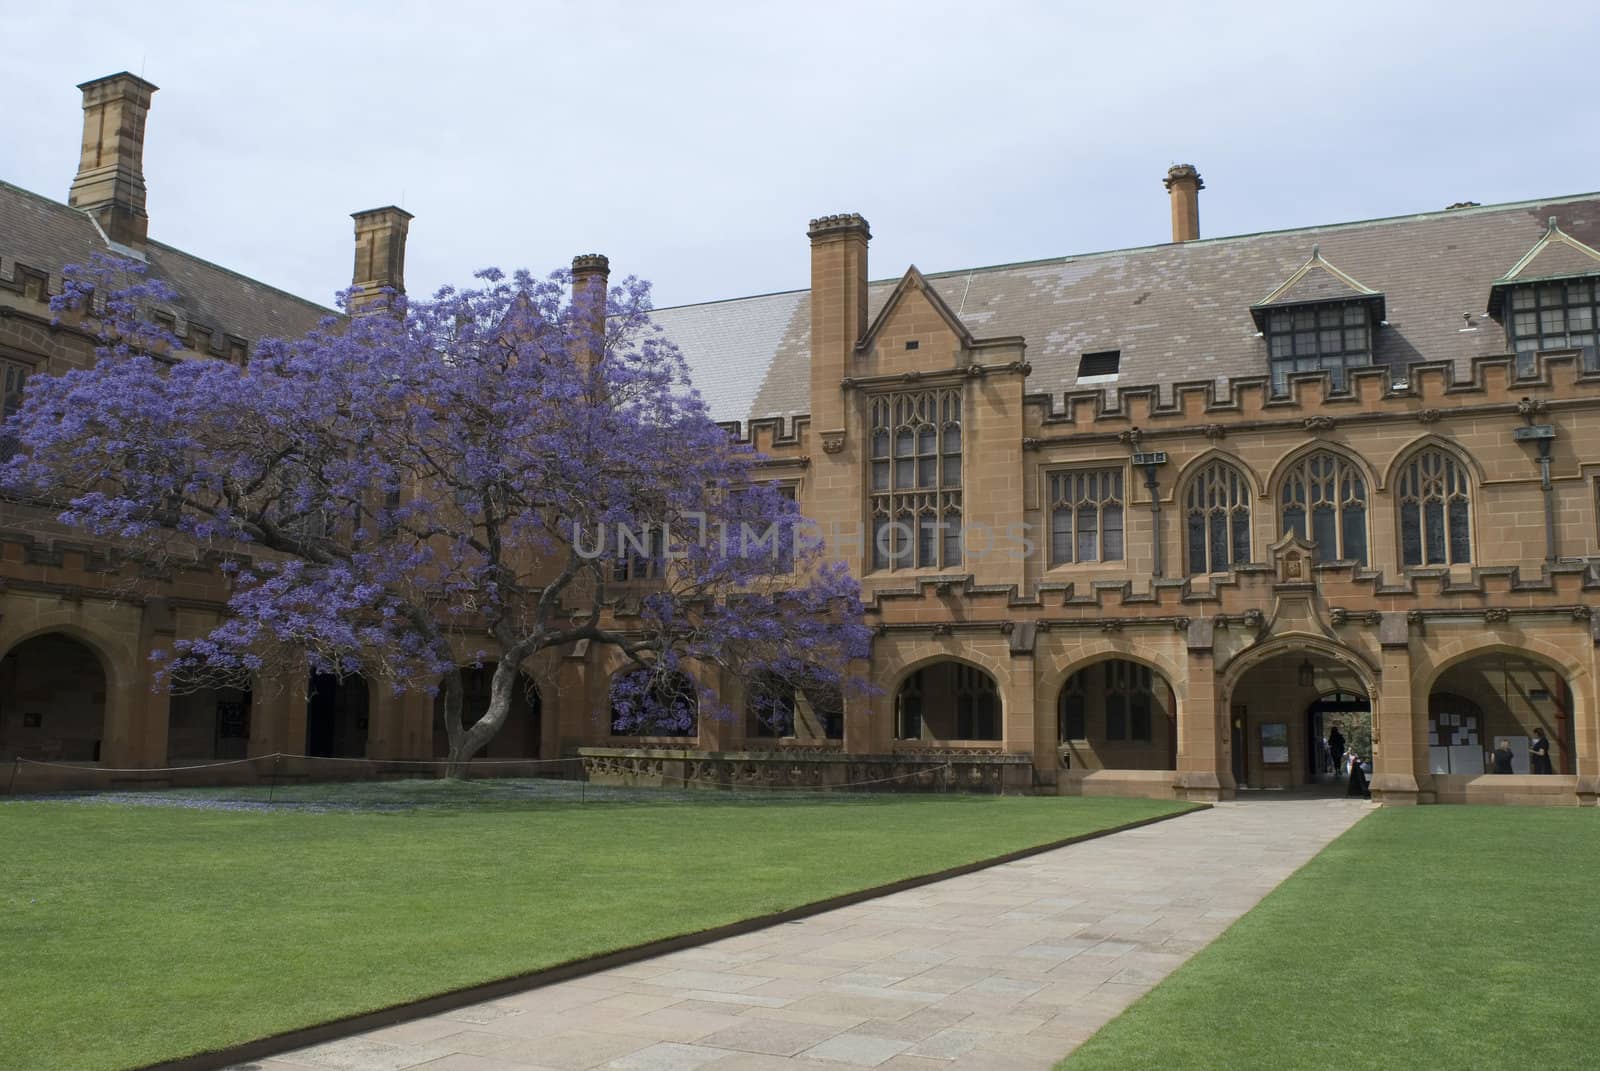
(916, 479)
(1129, 698)
(1086, 516)
(640, 553)
(1324, 499)
(1555, 316)
(977, 705)
(1073, 708)
(1333, 337)
(908, 708)
(1435, 500)
(1217, 510)
(13, 376)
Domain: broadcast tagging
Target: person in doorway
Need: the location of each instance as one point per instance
(1502, 757)
(1358, 779)
(1539, 754)
(1335, 748)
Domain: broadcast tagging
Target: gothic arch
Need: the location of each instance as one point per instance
(1574, 672)
(1404, 455)
(1280, 471)
(1243, 662)
(973, 659)
(1067, 663)
(1195, 465)
(106, 650)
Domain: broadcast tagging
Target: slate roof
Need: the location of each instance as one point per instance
(1177, 312)
(46, 235)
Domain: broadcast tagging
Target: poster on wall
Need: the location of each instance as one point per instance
(1275, 743)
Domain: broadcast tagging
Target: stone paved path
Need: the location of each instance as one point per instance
(1008, 968)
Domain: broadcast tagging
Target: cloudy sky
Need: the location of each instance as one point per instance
(691, 141)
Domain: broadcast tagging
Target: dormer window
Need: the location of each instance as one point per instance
(1332, 337)
(1550, 299)
(1319, 319)
(1554, 316)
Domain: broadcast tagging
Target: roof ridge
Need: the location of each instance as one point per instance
(66, 208)
(892, 280)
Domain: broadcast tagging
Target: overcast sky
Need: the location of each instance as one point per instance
(691, 142)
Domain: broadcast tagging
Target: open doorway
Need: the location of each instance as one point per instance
(1337, 723)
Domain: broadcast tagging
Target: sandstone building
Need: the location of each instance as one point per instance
(1147, 521)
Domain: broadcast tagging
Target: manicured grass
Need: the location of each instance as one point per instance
(1432, 937)
(135, 933)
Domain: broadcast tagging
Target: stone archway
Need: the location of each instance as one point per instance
(948, 699)
(1116, 713)
(1266, 696)
(1499, 694)
(52, 700)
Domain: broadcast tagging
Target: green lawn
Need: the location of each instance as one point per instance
(130, 934)
(1430, 937)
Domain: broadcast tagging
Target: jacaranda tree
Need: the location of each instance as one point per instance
(487, 463)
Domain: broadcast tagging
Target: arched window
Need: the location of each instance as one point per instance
(1217, 509)
(1324, 499)
(916, 480)
(1434, 498)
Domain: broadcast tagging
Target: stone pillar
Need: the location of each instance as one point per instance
(717, 730)
(867, 729)
(1205, 771)
(138, 708)
(1018, 708)
(1399, 738)
(385, 721)
(1586, 718)
(278, 716)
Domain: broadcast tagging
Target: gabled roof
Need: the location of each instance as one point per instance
(1557, 255)
(913, 281)
(47, 235)
(1177, 312)
(1314, 282)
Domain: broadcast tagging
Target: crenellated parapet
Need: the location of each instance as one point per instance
(1431, 392)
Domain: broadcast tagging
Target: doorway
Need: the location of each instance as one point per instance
(1348, 713)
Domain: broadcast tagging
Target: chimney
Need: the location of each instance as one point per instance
(380, 251)
(1183, 182)
(591, 278)
(110, 182)
(838, 284)
(838, 322)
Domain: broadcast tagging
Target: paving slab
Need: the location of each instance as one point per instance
(1010, 967)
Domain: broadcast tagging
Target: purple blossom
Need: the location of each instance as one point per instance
(399, 478)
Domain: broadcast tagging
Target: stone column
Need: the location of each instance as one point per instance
(1586, 718)
(1399, 739)
(1205, 772)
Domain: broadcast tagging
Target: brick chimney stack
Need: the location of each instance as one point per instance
(591, 280)
(1183, 182)
(110, 182)
(380, 250)
(838, 323)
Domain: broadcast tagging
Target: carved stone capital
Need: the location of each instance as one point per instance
(1030, 443)
(1430, 416)
(1496, 615)
(832, 442)
(1528, 408)
(1318, 423)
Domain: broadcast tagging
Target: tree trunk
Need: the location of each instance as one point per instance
(467, 742)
